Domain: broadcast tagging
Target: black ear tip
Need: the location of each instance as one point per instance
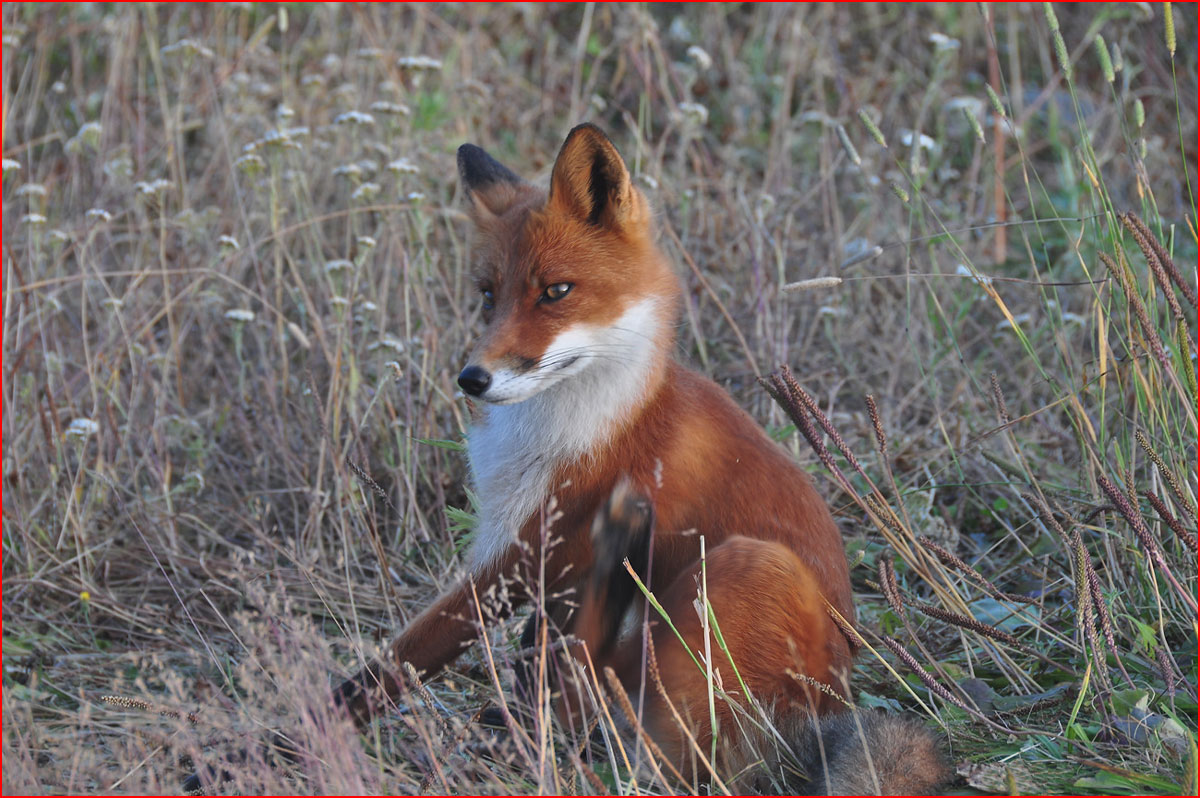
(479, 169)
(467, 152)
(590, 130)
(470, 158)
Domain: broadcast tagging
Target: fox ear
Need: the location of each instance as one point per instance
(491, 186)
(591, 182)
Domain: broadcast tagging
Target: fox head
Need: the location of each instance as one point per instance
(570, 279)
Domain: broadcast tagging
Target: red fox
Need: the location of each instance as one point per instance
(578, 391)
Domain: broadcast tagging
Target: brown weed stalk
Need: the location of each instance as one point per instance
(1157, 268)
(1121, 502)
(925, 676)
(138, 703)
(1086, 597)
(952, 560)
(1167, 474)
(656, 754)
(1152, 248)
(998, 398)
(1102, 614)
(964, 622)
(811, 405)
(1174, 523)
(880, 437)
(887, 585)
(781, 392)
(1167, 671)
(848, 631)
(1139, 309)
(1085, 613)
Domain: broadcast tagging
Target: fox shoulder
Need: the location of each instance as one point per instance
(870, 753)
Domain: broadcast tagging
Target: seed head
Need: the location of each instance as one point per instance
(994, 98)
(1106, 65)
(871, 127)
(1169, 22)
(1064, 58)
(1051, 17)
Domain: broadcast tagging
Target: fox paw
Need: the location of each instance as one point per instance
(622, 530)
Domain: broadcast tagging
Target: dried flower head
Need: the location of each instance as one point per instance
(694, 113)
(419, 63)
(186, 47)
(81, 428)
(700, 57)
(390, 108)
(367, 191)
(250, 164)
(350, 170)
(153, 187)
(357, 118)
(403, 166)
(943, 43)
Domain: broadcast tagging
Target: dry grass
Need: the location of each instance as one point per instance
(186, 519)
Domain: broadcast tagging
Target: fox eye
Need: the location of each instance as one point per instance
(557, 291)
(489, 299)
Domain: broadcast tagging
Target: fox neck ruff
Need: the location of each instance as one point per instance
(515, 449)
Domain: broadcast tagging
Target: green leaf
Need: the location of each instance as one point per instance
(1123, 701)
(1105, 782)
(1002, 615)
(869, 701)
(1108, 782)
(782, 433)
(460, 519)
(454, 446)
(1147, 638)
(1077, 732)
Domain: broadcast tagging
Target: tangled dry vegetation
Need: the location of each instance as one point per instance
(235, 304)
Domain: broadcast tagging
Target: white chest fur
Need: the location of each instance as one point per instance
(516, 448)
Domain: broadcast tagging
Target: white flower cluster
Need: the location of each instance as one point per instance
(419, 63)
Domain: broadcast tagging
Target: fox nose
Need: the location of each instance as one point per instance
(474, 380)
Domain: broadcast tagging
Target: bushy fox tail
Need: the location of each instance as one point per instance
(870, 753)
